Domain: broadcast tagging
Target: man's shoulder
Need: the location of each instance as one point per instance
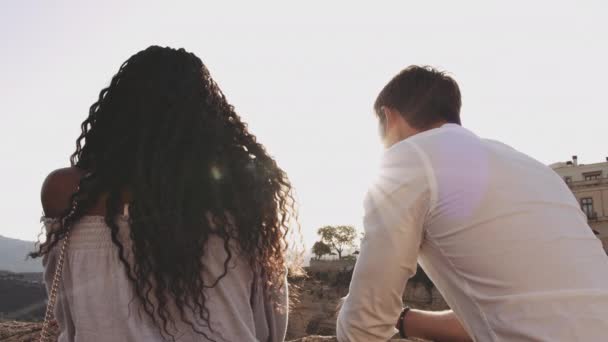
(403, 165)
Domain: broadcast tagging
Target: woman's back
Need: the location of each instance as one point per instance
(202, 253)
(96, 298)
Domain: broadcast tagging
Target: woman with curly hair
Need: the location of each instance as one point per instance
(172, 216)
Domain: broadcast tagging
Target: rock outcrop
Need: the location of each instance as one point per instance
(13, 331)
(314, 310)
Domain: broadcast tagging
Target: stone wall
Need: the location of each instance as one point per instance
(331, 265)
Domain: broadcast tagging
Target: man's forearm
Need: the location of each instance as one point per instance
(441, 326)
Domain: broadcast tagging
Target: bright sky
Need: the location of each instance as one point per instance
(304, 76)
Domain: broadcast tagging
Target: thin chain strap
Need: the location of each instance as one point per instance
(45, 335)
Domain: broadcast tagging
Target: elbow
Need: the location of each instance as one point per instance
(350, 328)
(355, 327)
(349, 325)
(344, 328)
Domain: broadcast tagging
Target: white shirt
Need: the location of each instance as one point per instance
(500, 234)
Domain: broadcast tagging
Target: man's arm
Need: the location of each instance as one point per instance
(441, 326)
(395, 210)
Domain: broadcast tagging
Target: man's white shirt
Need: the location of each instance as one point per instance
(500, 234)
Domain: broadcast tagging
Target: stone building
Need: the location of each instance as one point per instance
(589, 183)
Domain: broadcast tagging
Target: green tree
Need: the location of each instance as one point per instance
(338, 237)
(320, 249)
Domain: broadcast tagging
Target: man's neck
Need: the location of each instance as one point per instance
(407, 131)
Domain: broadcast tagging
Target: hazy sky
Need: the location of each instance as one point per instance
(304, 76)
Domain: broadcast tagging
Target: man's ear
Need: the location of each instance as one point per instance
(391, 116)
(398, 124)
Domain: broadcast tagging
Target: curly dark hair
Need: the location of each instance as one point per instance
(164, 132)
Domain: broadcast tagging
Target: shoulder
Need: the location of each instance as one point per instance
(58, 188)
(404, 162)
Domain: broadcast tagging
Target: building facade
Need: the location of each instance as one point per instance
(589, 183)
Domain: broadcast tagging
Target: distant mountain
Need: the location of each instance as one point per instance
(13, 255)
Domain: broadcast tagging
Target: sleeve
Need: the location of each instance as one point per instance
(62, 313)
(396, 207)
(277, 316)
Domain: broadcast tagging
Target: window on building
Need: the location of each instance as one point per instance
(568, 180)
(592, 175)
(587, 206)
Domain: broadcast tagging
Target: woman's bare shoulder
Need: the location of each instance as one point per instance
(57, 190)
